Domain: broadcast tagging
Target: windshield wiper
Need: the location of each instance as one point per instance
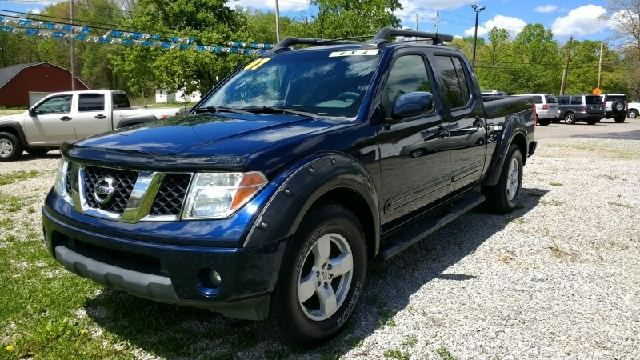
(217, 109)
(297, 110)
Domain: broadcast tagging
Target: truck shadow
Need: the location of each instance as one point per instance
(174, 332)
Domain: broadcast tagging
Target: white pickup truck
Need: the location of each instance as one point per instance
(70, 116)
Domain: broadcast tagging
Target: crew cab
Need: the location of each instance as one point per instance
(70, 116)
(268, 200)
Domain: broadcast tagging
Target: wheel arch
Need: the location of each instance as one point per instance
(16, 130)
(335, 178)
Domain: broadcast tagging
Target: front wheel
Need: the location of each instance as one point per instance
(619, 119)
(632, 114)
(503, 197)
(10, 147)
(592, 122)
(570, 118)
(321, 278)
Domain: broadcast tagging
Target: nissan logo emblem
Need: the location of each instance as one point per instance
(104, 189)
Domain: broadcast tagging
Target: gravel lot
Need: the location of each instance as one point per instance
(557, 279)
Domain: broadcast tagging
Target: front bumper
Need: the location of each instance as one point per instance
(175, 274)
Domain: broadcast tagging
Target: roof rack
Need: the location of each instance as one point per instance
(386, 33)
(285, 44)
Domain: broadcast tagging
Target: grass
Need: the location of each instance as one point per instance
(397, 354)
(555, 249)
(13, 177)
(445, 354)
(614, 203)
(5, 112)
(555, 183)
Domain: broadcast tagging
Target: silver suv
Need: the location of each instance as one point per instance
(546, 107)
(616, 105)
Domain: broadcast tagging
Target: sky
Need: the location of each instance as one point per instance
(577, 18)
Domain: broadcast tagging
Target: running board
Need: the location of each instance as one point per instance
(403, 240)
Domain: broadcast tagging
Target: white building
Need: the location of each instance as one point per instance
(162, 96)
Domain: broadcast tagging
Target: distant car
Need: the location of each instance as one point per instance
(633, 108)
(546, 107)
(573, 108)
(616, 106)
(493, 92)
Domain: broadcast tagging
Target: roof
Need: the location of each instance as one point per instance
(8, 73)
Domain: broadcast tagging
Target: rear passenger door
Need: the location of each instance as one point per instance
(465, 121)
(92, 116)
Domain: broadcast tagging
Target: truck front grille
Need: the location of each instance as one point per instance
(170, 196)
(123, 181)
(126, 195)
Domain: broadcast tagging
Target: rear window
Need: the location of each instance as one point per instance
(551, 99)
(616, 97)
(537, 99)
(120, 101)
(593, 100)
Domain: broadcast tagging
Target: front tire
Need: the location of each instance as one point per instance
(570, 118)
(10, 147)
(321, 278)
(592, 122)
(620, 119)
(503, 197)
(632, 114)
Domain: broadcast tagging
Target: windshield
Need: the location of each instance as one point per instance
(326, 83)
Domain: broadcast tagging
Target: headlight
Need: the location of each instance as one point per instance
(218, 195)
(59, 186)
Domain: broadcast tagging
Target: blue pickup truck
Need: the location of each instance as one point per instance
(270, 197)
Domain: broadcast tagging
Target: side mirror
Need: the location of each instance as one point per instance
(411, 104)
(32, 112)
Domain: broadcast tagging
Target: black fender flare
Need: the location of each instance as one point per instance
(302, 184)
(16, 128)
(133, 120)
(513, 130)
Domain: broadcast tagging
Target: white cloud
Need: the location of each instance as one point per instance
(545, 9)
(34, 11)
(283, 5)
(511, 24)
(580, 21)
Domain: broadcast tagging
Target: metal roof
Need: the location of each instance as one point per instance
(8, 73)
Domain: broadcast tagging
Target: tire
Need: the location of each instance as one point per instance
(37, 151)
(618, 106)
(619, 119)
(555, 120)
(633, 113)
(592, 122)
(298, 317)
(503, 197)
(10, 147)
(570, 118)
(544, 122)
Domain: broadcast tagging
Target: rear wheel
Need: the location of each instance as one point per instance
(618, 106)
(619, 119)
(321, 278)
(544, 122)
(633, 113)
(503, 197)
(10, 147)
(570, 118)
(592, 122)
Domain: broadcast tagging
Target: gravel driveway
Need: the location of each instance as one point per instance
(557, 279)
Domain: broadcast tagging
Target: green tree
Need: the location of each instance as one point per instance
(348, 18)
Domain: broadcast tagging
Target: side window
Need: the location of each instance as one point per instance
(409, 74)
(576, 100)
(563, 101)
(91, 102)
(455, 80)
(537, 99)
(55, 105)
(120, 101)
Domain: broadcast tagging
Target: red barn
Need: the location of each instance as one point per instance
(24, 84)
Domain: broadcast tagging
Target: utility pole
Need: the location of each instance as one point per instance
(563, 86)
(73, 71)
(477, 9)
(277, 21)
(600, 64)
(437, 20)
(416, 21)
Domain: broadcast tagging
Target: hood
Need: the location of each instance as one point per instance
(200, 138)
(12, 118)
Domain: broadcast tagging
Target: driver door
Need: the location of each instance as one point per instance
(51, 122)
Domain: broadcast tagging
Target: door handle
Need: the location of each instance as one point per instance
(100, 116)
(65, 118)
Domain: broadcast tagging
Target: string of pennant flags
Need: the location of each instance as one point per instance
(81, 33)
